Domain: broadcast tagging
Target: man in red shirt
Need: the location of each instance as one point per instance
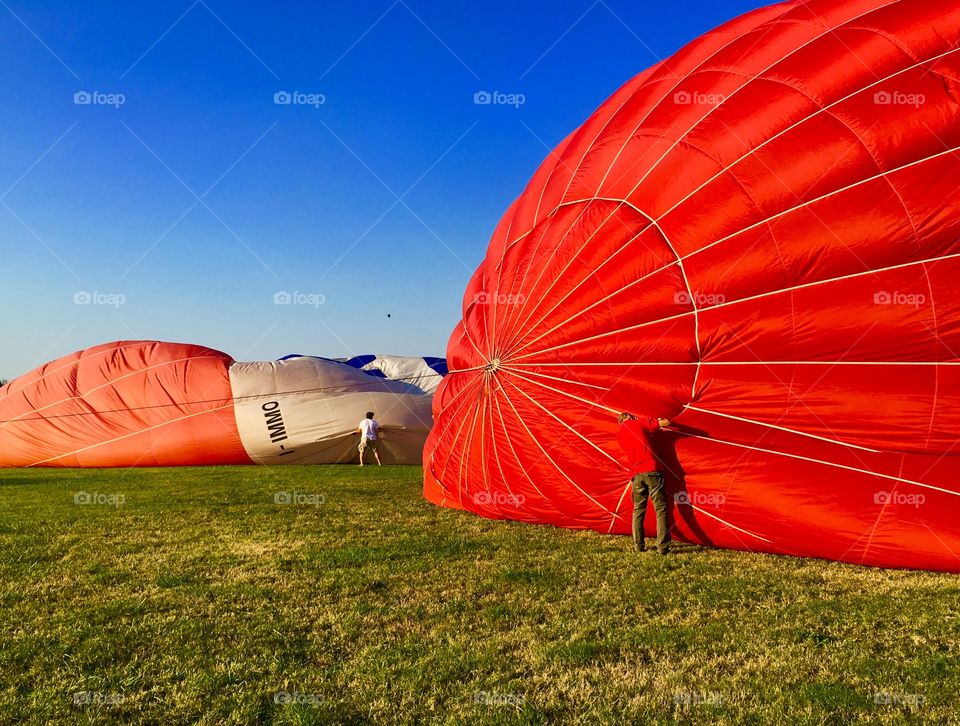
(634, 437)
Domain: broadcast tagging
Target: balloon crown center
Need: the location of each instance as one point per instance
(493, 365)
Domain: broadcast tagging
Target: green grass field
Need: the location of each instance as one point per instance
(199, 599)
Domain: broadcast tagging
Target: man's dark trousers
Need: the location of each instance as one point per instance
(650, 484)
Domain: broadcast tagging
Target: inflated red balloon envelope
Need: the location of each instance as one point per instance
(759, 239)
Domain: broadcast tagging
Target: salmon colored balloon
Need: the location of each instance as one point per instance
(758, 238)
(148, 403)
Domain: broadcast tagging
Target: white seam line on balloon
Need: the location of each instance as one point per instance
(783, 428)
(582, 400)
(800, 123)
(869, 535)
(880, 166)
(627, 99)
(496, 453)
(548, 457)
(825, 463)
(507, 247)
(111, 382)
(727, 97)
(772, 218)
(464, 451)
(518, 333)
(445, 488)
(453, 444)
(66, 365)
(747, 155)
(449, 403)
(482, 409)
(876, 522)
(745, 229)
(728, 524)
(832, 279)
(638, 326)
(567, 380)
(615, 515)
(512, 320)
(750, 298)
(823, 197)
(464, 370)
(650, 223)
(800, 399)
(466, 336)
(506, 436)
(492, 332)
(557, 418)
(521, 326)
(598, 302)
(126, 436)
(565, 393)
(648, 113)
(458, 394)
(463, 483)
(456, 436)
(591, 403)
(613, 519)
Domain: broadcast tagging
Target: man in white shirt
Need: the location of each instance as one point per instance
(369, 431)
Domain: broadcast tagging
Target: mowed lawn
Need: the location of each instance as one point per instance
(199, 598)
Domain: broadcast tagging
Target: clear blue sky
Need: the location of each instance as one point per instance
(100, 198)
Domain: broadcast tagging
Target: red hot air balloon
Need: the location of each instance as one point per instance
(758, 238)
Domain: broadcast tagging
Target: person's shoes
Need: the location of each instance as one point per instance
(640, 546)
(664, 551)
